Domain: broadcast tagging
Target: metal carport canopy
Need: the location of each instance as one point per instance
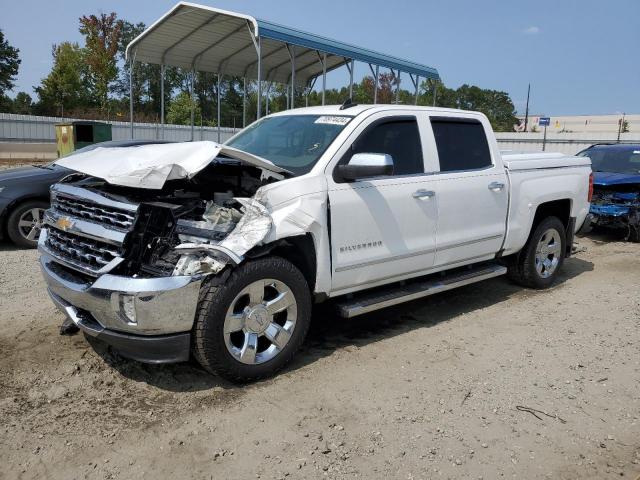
(203, 38)
(207, 39)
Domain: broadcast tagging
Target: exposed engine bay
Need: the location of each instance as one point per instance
(188, 227)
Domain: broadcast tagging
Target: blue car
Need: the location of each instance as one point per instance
(616, 188)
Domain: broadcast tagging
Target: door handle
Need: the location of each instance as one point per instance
(426, 194)
(496, 186)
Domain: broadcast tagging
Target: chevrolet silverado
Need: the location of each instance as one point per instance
(220, 251)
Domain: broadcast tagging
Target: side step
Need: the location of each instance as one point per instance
(412, 290)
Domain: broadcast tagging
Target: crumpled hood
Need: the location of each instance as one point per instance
(612, 178)
(150, 166)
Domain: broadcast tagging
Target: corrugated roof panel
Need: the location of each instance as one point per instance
(216, 40)
(290, 35)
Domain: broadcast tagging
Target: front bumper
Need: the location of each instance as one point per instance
(147, 319)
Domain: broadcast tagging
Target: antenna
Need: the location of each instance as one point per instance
(348, 103)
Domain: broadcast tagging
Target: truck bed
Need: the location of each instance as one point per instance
(537, 160)
(539, 177)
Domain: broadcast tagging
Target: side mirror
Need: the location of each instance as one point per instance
(363, 165)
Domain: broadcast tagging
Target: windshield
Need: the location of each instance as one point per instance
(614, 159)
(294, 142)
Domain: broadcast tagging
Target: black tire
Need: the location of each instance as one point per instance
(586, 228)
(208, 338)
(522, 269)
(13, 229)
(634, 234)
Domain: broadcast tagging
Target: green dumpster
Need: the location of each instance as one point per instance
(75, 135)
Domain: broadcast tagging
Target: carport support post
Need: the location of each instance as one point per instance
(292, 55)
(435, 91)
(131, 96)
(324, 77)
(193, 110)
(218, 103)
(267, 96)
(415, 96)
(375, 85)
(162, 99)
(398, 88)
(259, 49)
(350, 66)
(244, 102)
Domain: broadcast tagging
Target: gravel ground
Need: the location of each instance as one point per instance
(432, 389)
(439, 388)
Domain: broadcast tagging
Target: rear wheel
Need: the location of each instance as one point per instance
(537, 265)
(252, 325)
(634, 234)
(25, 222)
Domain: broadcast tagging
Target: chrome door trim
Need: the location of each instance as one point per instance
(384, 260)
(415, 254)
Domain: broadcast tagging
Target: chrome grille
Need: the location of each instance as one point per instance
(107, 216)
(86, 230)
(83, 253)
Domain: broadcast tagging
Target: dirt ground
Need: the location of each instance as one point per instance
(437, 388)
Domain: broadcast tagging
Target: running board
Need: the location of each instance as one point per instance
(412, 290)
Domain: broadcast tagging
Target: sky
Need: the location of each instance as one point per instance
(581, 57)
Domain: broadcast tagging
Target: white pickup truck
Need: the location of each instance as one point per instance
(219, 251)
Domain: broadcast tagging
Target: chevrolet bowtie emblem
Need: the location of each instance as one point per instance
(64, 223)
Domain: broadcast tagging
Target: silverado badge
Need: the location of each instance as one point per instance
(64, 223)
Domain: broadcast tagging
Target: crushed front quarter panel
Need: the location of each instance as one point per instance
(272, 214)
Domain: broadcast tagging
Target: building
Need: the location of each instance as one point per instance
(585, 123)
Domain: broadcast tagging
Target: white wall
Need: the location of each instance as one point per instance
(31, 128)
(586, 123)
(569, 143)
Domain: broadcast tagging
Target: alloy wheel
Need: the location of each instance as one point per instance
(548, 253)
(30, 223)
(260, 321)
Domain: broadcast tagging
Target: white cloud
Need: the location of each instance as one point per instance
(532, 30)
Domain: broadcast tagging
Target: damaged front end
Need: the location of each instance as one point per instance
(189, 227)
(223, 236)
(617, 207)
(125, 264)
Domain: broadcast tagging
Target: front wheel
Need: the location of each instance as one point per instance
(252, 325)
(537, 265)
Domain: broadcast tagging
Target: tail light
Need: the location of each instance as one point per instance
(590, 188)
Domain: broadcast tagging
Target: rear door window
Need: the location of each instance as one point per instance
(462, 144)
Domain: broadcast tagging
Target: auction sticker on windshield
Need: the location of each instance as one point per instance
(330, 120)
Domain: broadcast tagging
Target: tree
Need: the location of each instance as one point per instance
(128, 32)
(65, 87)
(625, 127)
(179, 112)
(102, 37)
(9, 63)
(496, 105)
(23, 103)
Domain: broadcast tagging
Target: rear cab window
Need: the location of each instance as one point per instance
(461, 143)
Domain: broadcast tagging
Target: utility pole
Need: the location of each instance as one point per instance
(620, 126)
(526, 112)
